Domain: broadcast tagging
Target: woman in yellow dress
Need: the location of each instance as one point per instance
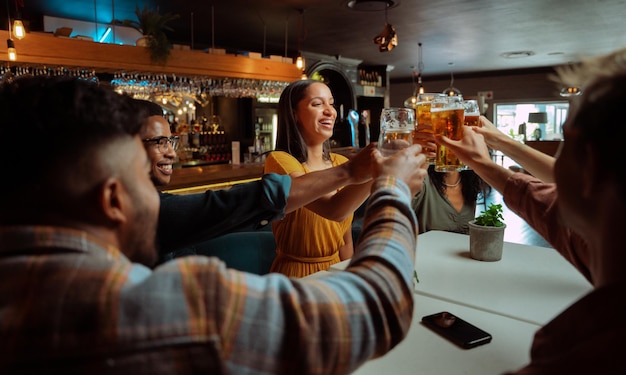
(319, 234)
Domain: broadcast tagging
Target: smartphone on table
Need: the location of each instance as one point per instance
(456, 330)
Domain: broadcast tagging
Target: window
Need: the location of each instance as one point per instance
(512, 118)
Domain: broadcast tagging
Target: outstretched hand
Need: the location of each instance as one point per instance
(493, 136)
(423, 135)
(360, 165)
(408, 165)
(470, 149)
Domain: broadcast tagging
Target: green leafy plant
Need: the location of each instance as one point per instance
(152, 24)
(492, 217)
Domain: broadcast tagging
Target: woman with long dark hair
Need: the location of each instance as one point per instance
(447, 200)
(318, 234)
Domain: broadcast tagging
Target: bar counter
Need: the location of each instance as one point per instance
(192, 178)
(216, 176)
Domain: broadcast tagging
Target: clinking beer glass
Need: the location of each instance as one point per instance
(447, 116)
(396, 129)
(472, 113)
(424, 128)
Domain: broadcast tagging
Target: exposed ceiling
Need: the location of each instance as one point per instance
(457, 35)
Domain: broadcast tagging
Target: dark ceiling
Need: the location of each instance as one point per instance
(457, 35)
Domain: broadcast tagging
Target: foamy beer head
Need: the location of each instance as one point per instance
(447, 116)
(471, 112)
(422, 109)
(396, 129)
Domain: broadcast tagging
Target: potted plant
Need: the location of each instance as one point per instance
(152, 25)
(486, 233)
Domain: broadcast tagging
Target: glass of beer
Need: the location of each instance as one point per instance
(396, 129)
(447, 116)
(424, 128)
(471, 113)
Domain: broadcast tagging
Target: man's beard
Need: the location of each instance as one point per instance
(140, 246)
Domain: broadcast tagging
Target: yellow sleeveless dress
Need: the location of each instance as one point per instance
(305, 242)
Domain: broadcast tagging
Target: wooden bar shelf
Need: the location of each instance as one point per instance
(46, 49)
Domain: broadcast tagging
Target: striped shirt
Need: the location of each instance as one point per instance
(72, 304)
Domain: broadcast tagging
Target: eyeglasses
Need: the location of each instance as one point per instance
(163, 142)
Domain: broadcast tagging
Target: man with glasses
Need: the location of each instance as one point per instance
(160, 145)
(185, 220)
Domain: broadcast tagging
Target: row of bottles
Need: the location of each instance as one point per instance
(205, 141)
(370, 78)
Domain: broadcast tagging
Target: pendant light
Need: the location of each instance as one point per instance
(570, 91)
(572, 87)
(412, 100)
(19, 32)
(420, 68)
(18, 29)
(387, 39)
(11, 51)
(300, 62)
(451, 90)
(419, 89)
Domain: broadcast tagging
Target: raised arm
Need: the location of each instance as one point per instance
(318, 190)
(535, 162)
(336, 322)
(472, 150)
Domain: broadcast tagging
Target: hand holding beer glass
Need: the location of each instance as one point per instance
(396, 129)
(447, 116)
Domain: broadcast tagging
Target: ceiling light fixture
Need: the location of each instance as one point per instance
(517, 54)
(451, 90)
(570, 91)
(418, 89)
(372, 5)
(300, 61)
(387, 39)
(11, 51)
(19, 32)
(18, 29)
(420, 68)
(412, 100)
